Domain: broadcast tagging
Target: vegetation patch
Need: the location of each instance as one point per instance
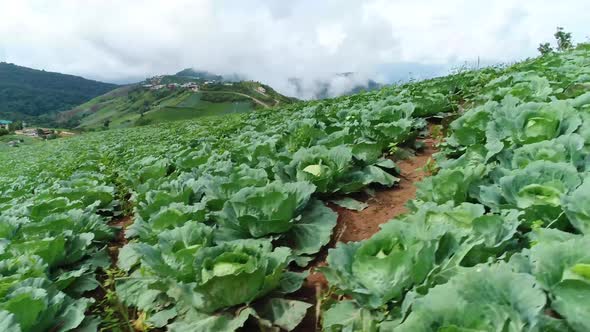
(229, 214)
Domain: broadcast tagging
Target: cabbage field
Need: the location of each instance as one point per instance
(214, 224)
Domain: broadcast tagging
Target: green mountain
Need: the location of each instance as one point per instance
(185, 95)
(37, 95)
(199, 75)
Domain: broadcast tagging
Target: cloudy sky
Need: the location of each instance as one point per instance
(273, 40)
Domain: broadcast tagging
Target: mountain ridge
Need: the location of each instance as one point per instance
(184, 95)
(35, 95)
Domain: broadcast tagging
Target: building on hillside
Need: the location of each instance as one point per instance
(37, 132)
(5, 123)
(64, 133)
(261, 89)
(188, 85)
(28, 132)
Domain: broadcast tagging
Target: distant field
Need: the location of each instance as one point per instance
(26, 141)
(204, 109)
(193, 100)
(122, 107)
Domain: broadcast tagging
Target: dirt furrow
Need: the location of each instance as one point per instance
(385, 205)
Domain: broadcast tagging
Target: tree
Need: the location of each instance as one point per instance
(142, 121)
(545, 48)
(4, 132)
(15, 126)
(564, 39)
(106, 123)
(564, 42)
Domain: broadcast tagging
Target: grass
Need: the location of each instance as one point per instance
(193, 100)
(123, 109)
(7, 138)
(204, 109)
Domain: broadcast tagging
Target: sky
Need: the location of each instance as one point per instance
(274, 40)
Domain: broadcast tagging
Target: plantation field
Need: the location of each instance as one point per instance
(123, 107)
(215, 224)
(193, 100)
(8, 138)
(181, 106)
(170, 113)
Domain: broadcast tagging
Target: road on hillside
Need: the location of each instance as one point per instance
(258, 101)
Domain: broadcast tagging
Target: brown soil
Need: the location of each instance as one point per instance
(387, 203)
(113, 248)
(119, 241)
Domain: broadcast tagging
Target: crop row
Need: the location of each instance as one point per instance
(497, 240)
(227, 212)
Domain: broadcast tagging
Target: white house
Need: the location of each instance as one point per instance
(5, 123)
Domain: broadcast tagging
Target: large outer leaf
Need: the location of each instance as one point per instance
(577, 207)
(198, 322)
(571, 301)
(359, 179)
(8, 322)
(567, 148)
(450, 184)
(286, 314)
(482, 298)
(541, 183)
(561, 266)
(470, 128)
(266, 210)
(320, 166)
(419, 250)
(377, 270)
(347, 316)
(350, 203)
(313, 230)
(223, 271)
(27, 306)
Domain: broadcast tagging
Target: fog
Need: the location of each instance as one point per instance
(276, 41)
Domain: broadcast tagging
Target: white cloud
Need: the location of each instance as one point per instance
(273, 40)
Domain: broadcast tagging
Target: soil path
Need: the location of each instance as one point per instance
(257, 101)
(386, 204)
(119, 241)
(359, 225)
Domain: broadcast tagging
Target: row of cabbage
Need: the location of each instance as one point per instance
(225, 211)
(223, 231)
(217, 205)
(498, 239)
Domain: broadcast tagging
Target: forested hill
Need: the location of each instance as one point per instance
(34, 95)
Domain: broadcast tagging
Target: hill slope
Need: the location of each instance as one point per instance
(208, 224)
(171, 97)
(34, 95)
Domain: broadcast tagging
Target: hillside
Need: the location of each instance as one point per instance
(36, 95)
(186, 95)
(313, 215)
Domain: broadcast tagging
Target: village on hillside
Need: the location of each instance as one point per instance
(155, 83)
